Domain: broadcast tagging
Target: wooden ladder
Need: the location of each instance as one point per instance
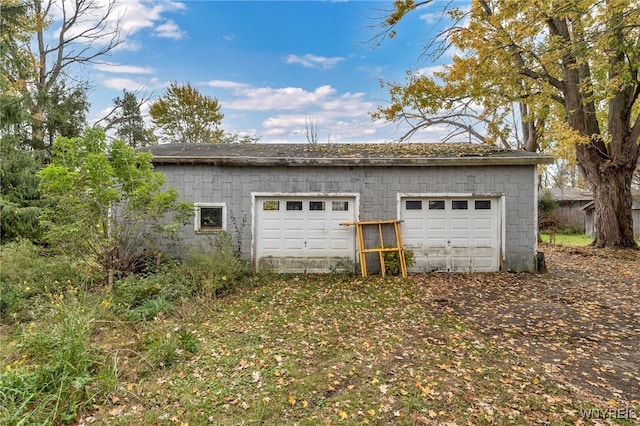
(362, 250)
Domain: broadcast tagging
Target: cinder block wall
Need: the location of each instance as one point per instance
(378, 189)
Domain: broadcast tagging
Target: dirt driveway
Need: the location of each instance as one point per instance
(581, 321)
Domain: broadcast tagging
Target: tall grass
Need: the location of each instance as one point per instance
(51, 366)
(53, 371)
(215, 271)
(29, 275)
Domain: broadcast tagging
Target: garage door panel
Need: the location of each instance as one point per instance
(334, 224)
(435, 224)
(342, 245)
(436, 263)
(413, 223)
(271, 243)
(294, 224)
(435, 243)
(445, 239)
(461, 263)
(484, 243)
(316, 265)
(293, 243)
(459, 223)
(271, 224)
(306, 240)
(317, 225)
(317, 243)
(487, 224)
(412, 242)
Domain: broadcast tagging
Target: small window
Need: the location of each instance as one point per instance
(459, 205)
(436, 204)
(210, 217)
(340, 206)
(413, 205)
(483, 204)
(271, 205)
(294, 205)
(316, 205)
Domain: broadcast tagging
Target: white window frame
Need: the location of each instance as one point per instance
(196, 223)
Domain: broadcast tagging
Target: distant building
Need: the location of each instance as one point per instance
(570, 212)
(590, 226)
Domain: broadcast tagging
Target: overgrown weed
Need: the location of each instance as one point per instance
(56, 371)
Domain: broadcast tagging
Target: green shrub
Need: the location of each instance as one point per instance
(546, 202)
(29, 276)
(151, 308)
(189, 341)
(132, 291)
(547, 214)
(213, 272)
(144, 297)
(163, 287)
(392, 261)
(10, 300)
(160, 348)
(25, 263)
(57, 372)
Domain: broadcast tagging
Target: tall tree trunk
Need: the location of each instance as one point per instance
(607, 167)
(611, 183)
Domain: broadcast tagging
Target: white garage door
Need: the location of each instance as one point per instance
(452, 234)
(303, 234)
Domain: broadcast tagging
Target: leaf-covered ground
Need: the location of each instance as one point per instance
(581, 321)
(432, 349)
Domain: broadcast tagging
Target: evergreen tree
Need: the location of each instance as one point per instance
(128, 122)
(21, 202)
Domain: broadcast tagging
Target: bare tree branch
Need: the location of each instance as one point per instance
(311, 131)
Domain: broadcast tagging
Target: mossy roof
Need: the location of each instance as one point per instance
(385, 154)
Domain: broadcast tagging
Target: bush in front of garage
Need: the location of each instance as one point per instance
(392, 261)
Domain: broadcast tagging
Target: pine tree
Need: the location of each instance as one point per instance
(128, 122)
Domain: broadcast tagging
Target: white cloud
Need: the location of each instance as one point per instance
(226, 84)
(170, 30)
(287, 98)
(127, 16)
(132, 85)
(292, 128)
(340, 117)
(431, 18)
(136, 15)
(122, 69)
(313, 61)
(120, 83)
(429, 71)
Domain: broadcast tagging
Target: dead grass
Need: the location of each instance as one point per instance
(341, 350)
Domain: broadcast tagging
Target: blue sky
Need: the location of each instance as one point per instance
(271, 64)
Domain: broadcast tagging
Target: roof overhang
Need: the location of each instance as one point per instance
(357, 162)
(343, 155)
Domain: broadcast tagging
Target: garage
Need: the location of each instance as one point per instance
(483, 216)
(452, 233)
(302, 233)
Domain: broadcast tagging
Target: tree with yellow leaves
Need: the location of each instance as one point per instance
(569, 69)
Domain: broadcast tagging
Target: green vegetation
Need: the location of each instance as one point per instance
(392, 261)
(69, 340)
(107, 202)
(567, 239)
(203, 341)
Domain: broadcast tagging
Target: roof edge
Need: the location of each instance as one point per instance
(497, 160)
